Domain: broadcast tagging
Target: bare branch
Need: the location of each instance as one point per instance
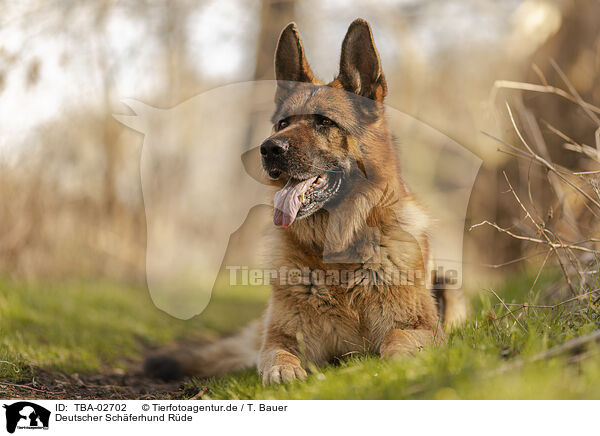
(539, 88)
(530, 239)
(504, 304)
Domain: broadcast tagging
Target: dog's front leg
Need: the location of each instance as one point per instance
(278, 365)
(400, 342)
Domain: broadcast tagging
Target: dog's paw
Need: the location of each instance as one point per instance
(284, 373)
(399, 343)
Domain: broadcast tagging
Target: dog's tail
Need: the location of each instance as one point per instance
(214, 359)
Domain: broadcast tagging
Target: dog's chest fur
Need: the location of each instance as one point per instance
(354, 314)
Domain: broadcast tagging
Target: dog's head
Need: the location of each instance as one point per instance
(324, 135)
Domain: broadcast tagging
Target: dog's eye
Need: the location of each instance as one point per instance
(324, 121)
(282, 124)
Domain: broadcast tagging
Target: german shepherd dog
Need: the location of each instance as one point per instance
(342, 209)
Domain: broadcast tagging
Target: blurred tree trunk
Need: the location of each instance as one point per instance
(181, 74)
(109, 133)
(575, 47)
(576, 50)
(274, 16)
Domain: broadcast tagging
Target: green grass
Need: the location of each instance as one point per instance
(464, 368)
(87, 327)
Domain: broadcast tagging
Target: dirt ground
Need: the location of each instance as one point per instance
(110, 386)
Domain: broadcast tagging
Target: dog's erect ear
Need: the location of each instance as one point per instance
(360, 67)
(290, 62)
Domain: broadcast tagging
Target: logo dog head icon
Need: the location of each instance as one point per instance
(26, 414)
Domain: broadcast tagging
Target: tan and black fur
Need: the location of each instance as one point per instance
(373, 223)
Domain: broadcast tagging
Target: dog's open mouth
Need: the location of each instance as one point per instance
(301, 198)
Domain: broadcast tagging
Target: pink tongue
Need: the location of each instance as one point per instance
(288, 201)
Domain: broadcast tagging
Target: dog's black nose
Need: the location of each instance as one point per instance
(273, 148)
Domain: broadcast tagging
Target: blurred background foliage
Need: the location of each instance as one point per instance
(71, 202)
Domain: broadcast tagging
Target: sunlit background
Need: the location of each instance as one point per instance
(70, 179)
